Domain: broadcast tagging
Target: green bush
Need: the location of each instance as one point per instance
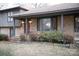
(45, 36)
(51, 36)
(4, 37)
(48, 36)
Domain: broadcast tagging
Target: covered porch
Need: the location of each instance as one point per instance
(40, 23)
(63, 23)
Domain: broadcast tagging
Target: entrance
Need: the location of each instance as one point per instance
(11, 32)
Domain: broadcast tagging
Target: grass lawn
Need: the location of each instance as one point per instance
(35, 49)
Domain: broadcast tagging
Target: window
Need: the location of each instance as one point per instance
(76, 24)
(10, 19)
(47, 24)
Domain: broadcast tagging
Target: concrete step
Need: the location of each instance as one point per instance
(76, 41)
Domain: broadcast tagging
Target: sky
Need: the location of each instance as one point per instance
(39, 1)
(50, 2)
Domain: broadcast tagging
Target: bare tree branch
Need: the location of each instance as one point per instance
(3, 5)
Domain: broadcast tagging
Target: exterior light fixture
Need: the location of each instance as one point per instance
(30, 21)
(77, 19)
(22, 22)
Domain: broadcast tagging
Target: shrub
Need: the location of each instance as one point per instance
(4, 37)
(51, 36)
(45, 36)
(68, 38)
(24, 37)
(35, 36)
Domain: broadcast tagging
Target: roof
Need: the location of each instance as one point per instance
(10, 8)
(52, 9)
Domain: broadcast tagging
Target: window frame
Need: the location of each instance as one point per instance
(38, 23)
(8, 18)
(75, 23)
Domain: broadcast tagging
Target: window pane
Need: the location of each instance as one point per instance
(77, 24)
(10, 19)
(45, 24)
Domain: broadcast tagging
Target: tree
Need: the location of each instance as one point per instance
(3, 5)
(39, 5)
(32, 5)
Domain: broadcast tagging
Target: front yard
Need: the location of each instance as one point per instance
(36, 49)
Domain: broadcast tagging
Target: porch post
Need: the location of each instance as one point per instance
(28, 26)
(62, 27)
(62, 23)
(25, 25)
(14, 27)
